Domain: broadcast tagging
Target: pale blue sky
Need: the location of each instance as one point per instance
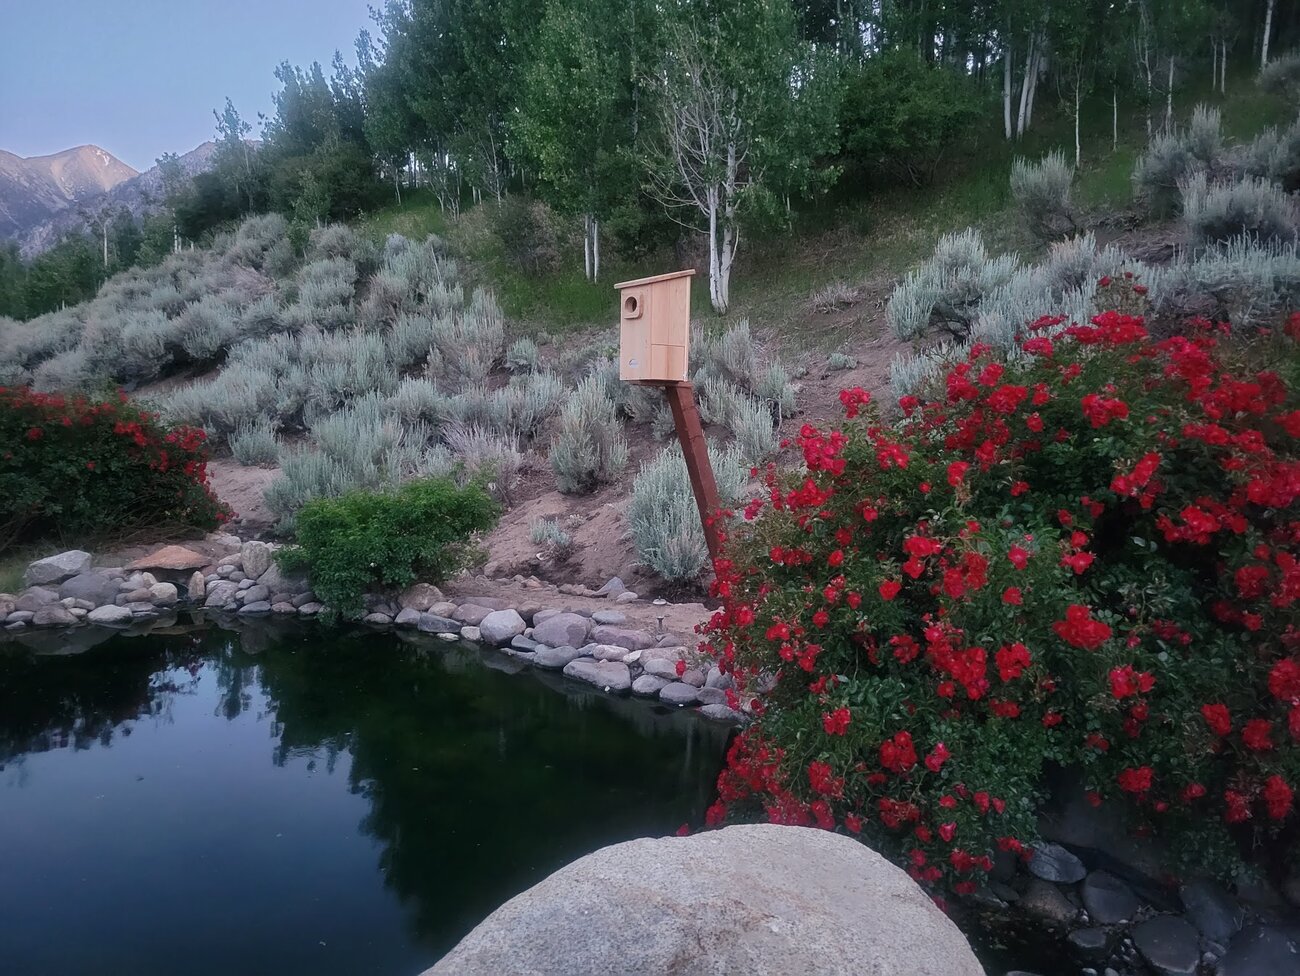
(141, 77)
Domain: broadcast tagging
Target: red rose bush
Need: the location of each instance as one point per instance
(1087, 557)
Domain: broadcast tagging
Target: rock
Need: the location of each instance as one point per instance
(221, 593)
(408, 618)
(9, 603)
(1212, 910)
(225, 569)
(660, 668)
(420, 597)
(1047, 902)
(611, 617)
(1260, 951)
(236, 576)
(611, 675)
(1004, 891)
(15, 625)
(431, 623)
(774, 900)
(648, 685)
(628, 597)
(472, 634)
(277, 581)
(254, 608)
(377, 619)
(95, 587)
(279, 596)
(257, 593)
(711, 696)
(196, 588)
(721, 713)
(143, 609)
(1052, 862)
(470, 614)
(716, 679)
(255, 557)
(546, 613)
(109, 616)
(527, 610)
(305, 597)
(142, 595)
(490, 602)
(694, 677)
(563, 629)
(522, 643)
(679, 693)
(173, 558)
(53, 616)
(443, 609)
(500, 627)
(1169, 944)
(57, 568)
(284, 608)
(633, 640)
(246, 584)
(310, 609)
(23, 617)
(607, 652)
(1108, 899)
(555, 657)
(35, 597)
(611, 589)
(163, 594)
(1091, 943)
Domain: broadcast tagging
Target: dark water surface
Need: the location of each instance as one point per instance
(221, 803)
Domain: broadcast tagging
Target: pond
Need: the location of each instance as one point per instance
(214, 802)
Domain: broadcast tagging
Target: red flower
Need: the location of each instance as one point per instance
(956, 471)
(937, 757)
(1277, 797)
(1238, 806)
(1256, 735)
(837, 722)
(1284, 680)
(1019, 557)
(836, 558)
(1217, 718)
(822, 781)
(1079, 629)
(35, 434)
(1125, 682)
(1012, 661)
(898, 754)
(1135, 780)
(889, 589)
(680, 667)
(1004, 709)
(1078, 561)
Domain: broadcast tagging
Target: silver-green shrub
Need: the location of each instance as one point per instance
(1251, 207)
(254, 443)
(946, 291)
(1042, 194)
(588, 449)
(523, 356)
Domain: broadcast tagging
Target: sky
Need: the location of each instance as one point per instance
(141, 77)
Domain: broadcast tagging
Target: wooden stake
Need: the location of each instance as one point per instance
(690, 432)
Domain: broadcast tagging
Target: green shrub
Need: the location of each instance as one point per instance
(527, 233)
(839, 361)
(1083, 557)
(77, 466)
(589, 449)
(367, 539)
(554, 540)
(1042, 194)
(255, 443)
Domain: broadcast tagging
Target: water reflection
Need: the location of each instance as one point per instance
(410, 789)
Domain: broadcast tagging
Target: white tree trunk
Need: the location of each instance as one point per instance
(595, 249)
(1114, 119)
(1169, 97)
(1024, 87)
(1006, 90)
(716, 299)
(105, 225)
(1214, 63)
(397, 186)
(586, 246)
(1223, 68)
(1033, 85)
(1078, 94)
(1268, 29)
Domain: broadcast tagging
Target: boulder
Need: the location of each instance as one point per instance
(408, 618)
(660, 668)
(196, 588)
(9, 603)
(470, 614)
(221, 593)
(1047, 902)
(716, 679)
(310, 609)
(53, 616)
(277, 581)
(1212, 910)
(633, 640)
(1108, 899)
(555, 658)
(1169, 944)
(628, 597)
(1054, 863)
(163, 594)
(563, 629)
(522, 643)
(607, 652)
(611, 589)
(1261, 951)
(257, 593)
(648, 685)
(420, 596)
(431, 623)
(142, 595)
(284, 609)
(611, 617)
(260, 606)
(773, 900)
(35, 597)
(109, 616)
(172, 558)
(471, 634)
(307, 596)
(57, 568)
(693, 677)
(546, 613)
(377, 619)
(255, 558)
(95, 587)
(23, 617)
(490, 602)
(711, 696)
(679, 693)
(610, 675)
(502, 626)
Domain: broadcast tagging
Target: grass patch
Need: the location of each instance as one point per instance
(418, 216)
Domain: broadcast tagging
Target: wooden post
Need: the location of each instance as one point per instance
(690, 432)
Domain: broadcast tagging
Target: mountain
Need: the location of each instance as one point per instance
(34, 188)
(139, 194)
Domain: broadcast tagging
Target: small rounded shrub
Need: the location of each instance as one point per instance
(84, 466)
(364, 540)
(1088, 557)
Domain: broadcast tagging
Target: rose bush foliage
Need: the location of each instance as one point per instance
(77, 466)
(1086, 556)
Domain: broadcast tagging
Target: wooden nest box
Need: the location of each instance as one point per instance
(654, 328)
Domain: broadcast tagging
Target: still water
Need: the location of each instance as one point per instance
(212, 802)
